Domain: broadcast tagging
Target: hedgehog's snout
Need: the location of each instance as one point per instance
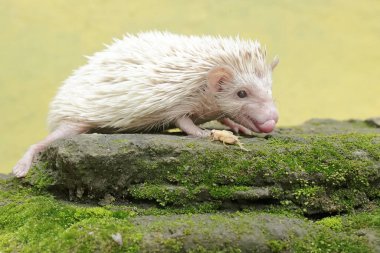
(268, 125)
(260, 118)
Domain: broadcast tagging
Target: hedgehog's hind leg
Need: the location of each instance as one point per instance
(64, 130)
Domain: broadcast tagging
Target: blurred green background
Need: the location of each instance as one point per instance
(329, 52)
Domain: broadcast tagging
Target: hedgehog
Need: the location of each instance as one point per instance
(155, 80)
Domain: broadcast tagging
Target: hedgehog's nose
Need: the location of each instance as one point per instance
(272, 118)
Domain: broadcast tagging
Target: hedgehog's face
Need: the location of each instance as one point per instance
(245, 99)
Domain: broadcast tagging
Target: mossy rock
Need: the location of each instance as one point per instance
(35, 221)
(322, 167)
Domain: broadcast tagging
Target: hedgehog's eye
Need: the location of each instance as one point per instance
(242, 94)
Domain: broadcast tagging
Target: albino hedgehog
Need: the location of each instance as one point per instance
(156, 80)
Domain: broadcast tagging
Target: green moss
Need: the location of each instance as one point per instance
(334, 223)
(307, 192)
(200, 249)
(30, 222)
(349, 198)
(191, 145)
(95, 234)
(329, 155)
(310, 168)
(361, 220)
(311, 174)
(340, 233)
(163, 194)
(277, 246)
(40, 176)
(172, 245)
(189, 208)
(326, 240)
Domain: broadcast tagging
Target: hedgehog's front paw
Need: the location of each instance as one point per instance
(235, 127)
(241, 129)
(202, 134)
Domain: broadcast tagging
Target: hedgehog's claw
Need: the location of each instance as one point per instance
(235, 127)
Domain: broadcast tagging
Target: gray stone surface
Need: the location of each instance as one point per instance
(248, 233)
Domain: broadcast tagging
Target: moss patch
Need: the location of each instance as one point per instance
(31, 221)
(167, 193)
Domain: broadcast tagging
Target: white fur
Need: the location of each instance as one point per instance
(150, 79)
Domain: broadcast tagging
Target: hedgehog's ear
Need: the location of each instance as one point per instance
(218, 76)
(274, 63)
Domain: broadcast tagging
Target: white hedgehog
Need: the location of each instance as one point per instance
(156, 80)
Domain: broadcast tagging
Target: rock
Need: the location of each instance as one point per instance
(5, 176)
(107, 200)
(33, 221)
(323, 166)
(310, 188)
(117, 238)
(255, 193)
(248, 233)
(373, 122)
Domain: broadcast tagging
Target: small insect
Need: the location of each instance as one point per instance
(226, 137)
